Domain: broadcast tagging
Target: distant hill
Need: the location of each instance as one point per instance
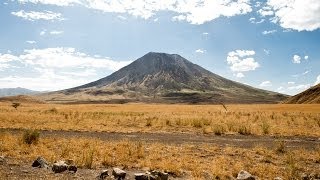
(20, 99)
(309, 96)
(164, 78)
(16, 91)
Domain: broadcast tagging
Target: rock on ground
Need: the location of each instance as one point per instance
(119, 173)
(40, 162)
(244, 175)
(59, 167)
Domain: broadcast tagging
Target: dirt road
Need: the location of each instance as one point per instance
(180, 138)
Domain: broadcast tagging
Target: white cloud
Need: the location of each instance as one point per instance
(156, 20)
(31, 42)
(253, 20)
(266, 51)
(239, 75)
(34, 15)
(52, 2)
(306, 57)
(201, 51)
(55, 68)
(317, 80)
(269, 32)
(302, 74)
(300, 15)
(43, 32)
(179, 18)
(121, 17)
(192, 11)
(265, 11)
(205, 33)
(296, 59)
(281, 89)
(266, 84)
(291, 83)
(242, 61)
(301, 87)
(67, 57)
(56, 32)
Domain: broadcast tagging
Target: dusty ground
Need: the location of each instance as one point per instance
(241, 141)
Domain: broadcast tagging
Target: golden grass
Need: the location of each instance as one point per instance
(186, 160)
(279, 119)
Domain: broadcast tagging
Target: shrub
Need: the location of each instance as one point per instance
(281, 147)
(31, 137)
(87, 158)
(265, 127)
(219, 130)
(244, 130)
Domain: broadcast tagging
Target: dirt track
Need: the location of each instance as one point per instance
(180, 138)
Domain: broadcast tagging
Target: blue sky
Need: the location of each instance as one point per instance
(57, 44)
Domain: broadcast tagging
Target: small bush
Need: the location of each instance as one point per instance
(197, 123)
(149, 122)
(281, 147)
(87, 158)
(219, 130)
(31, 137)
(265, 127)
(244, 130)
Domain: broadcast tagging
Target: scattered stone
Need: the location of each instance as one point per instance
(160, 175)
(25, 171)
(103, 174)
(277, 178)
(72, 168)
(40, 162)
(118, 173)
(244, 175)
(59, 167)
(305, 176)
(2, 160)
(141, 176)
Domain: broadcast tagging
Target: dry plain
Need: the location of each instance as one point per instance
(189, 141)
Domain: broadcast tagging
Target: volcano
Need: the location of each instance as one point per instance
(164, 78)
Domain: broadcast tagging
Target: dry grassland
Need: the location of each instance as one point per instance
(280, 119)
(200, 161)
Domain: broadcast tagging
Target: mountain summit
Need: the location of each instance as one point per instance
(161, 77)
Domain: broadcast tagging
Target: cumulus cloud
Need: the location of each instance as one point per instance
(253, 20)
(194, 11)
(31, 42)
(239, 75)
(265, 11)
(201, 51)
(300, 15)
(34, 15)
(55, 68)
(296, 59)
(269, 32)
(56, 32)
(242, 60)
(306, 57)
(266, 84)
(317, 80)
(300, 87)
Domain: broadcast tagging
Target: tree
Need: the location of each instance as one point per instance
(15, 105)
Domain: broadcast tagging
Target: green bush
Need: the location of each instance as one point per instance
(31, 137)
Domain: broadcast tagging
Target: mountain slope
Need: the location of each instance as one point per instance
(309, 96)
(160, 77)
(16, 91)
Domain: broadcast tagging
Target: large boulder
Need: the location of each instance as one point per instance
(59, 167)
(119, 173)
(244, 175)
(40, 162)
(103, 175)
